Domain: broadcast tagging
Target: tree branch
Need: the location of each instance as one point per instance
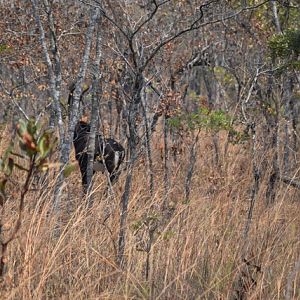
(157, 6)
(193, 26)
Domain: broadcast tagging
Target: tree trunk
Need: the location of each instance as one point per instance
(148, 147)
(166, 164)
(132, 141)
(94, 112)
(66, 146)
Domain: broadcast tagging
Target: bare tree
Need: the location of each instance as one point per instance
(139, 59)
(54, 72)
(96, 96)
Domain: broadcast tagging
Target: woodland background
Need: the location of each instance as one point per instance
(204, 96)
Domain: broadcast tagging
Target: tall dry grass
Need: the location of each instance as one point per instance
(197, 248)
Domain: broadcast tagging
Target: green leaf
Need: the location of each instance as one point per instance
(21, 128)
(5, 156)
(174, 122)
(3, 47)
(285, 45)
(44, 145)
(69, 169)
(32, 127)
(27, 132)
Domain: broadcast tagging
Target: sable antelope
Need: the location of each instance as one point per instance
(109, 154)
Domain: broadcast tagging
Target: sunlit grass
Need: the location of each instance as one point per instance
(196, 249)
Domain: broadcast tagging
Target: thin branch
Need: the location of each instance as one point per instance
(57, 66)
(54, 77)
(69, 31)
(43, 41)
(193, 26)
(18, 223)
(157, 6)
(20, 109)
(110, 19)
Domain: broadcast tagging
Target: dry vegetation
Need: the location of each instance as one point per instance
(218, 67)
(197, 247)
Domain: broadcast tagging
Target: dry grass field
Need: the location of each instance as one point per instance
(199, 249)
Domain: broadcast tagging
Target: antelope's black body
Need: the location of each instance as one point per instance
(109, 154)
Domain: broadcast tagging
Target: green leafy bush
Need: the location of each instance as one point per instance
(286, 45)
(210, 120)
(204, 118)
